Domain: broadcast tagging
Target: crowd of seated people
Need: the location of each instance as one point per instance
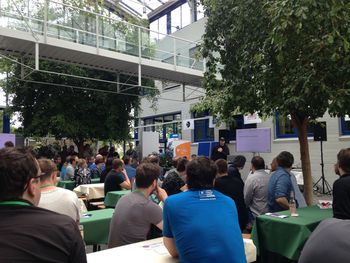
(185, 204)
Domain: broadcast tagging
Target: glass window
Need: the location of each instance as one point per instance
(286, 129)
(186, 15)
(202, 132)
(200, 11)
(162, 27)
(176, 19)
(164, 130)
(154, 35)
(238, 123)
(345, 125)
(148, 122)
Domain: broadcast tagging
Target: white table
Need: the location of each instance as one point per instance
(150, 251)
(92, 191)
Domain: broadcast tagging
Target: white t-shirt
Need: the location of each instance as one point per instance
(61, 201)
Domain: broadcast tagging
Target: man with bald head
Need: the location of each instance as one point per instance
(30, 233)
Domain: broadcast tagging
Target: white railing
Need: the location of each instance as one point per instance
(62, 21)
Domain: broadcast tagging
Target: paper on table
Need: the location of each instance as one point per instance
(276, 215)
(157, 247)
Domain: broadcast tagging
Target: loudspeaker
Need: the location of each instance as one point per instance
(225, 134)
(320, 131)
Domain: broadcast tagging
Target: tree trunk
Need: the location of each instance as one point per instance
(302, 123)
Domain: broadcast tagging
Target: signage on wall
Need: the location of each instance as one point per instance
(188, 124)
(252, 118)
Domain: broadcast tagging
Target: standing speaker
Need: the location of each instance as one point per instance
(320, 131)
(225, 134)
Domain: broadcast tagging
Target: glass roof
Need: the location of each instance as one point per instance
(141, 8)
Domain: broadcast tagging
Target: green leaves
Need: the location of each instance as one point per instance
(290, 55)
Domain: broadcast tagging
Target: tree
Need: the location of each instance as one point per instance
(286, 56)
(74, 108)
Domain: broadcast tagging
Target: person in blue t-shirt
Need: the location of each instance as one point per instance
(280, 184)
(201, 225)
(130, 171)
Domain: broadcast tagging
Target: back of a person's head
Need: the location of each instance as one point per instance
(175, 161)
(221, 166)
(258, 163)
(201, 173)
(239, 161)
(126, 159)
(72, 159)
(153, 159)
(285, 159)
(17, 167)
(117, 163)
(9, 144)
(181, 165)
(145, 160)
(344, 160)
(146, 174)
(98, 159)
(81, 163)
(47, 167)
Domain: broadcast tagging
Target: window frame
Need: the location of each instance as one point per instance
(278, 134)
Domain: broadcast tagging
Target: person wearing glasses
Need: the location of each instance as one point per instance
(30, 233)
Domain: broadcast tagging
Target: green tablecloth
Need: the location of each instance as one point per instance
(70, 185)
(96, 227)
(287, 236)
(113, 197)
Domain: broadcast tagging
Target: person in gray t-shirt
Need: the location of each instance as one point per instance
(256, 187)
(135, 212)
(328, 243)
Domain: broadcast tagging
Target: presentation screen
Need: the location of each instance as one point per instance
(4, 137)
(253, 140)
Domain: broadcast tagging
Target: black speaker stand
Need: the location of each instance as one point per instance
(326, 187)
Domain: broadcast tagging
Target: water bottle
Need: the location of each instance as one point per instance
(292, 205)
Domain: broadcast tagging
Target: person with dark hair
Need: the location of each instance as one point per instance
(130, 171)
(131, 152)
(204, 216)
(70, 169)
(280, 184)
(221, 166)
(9, 144)
(235, 167)
(341, 187)
(155, 160)
(174, 183)
(232, 187)
(23, 225)
(117, 179)
(113, 153)
(256, 188)
(71, 151)
(136, 212)
(220, 151)
(54, 198)
(108, 168)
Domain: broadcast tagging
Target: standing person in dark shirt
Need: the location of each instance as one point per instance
(237, 165)
(232, 187)
(341, 187)
(117, 179)
(30, 233)
(220, 151)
